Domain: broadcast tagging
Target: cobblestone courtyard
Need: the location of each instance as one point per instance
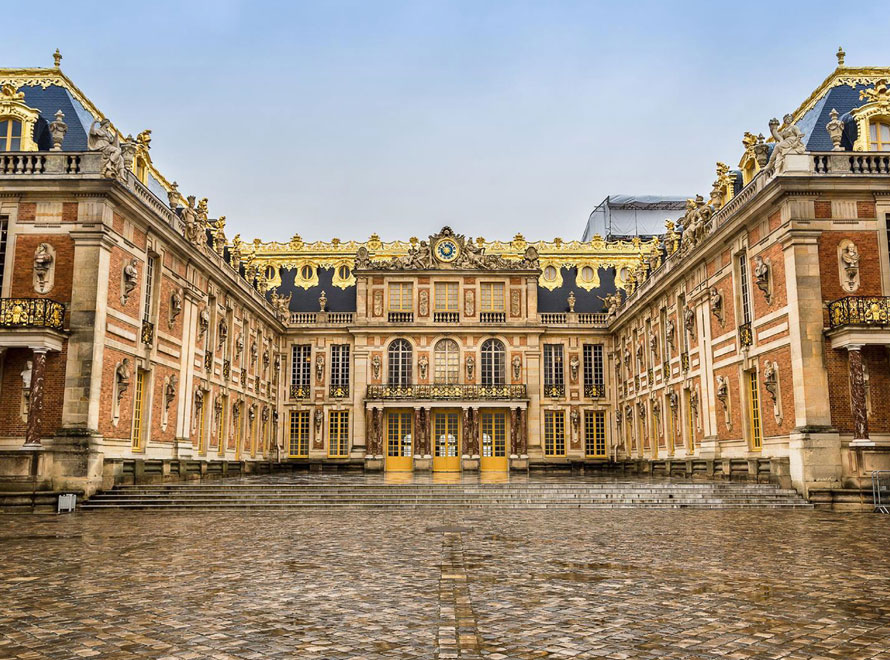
(508, 585)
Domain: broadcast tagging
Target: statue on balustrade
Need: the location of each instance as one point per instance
(789, 141)
(104, 139)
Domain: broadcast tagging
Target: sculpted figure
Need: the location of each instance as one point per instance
(761, 276)
(850, 259)
(319, 367)
(104, 139)
(517, 367)
(689, 319)
(423, 363)
(471, 367)
(58, 129)
(716, 304)
(375, 367)
(175, 305)
(789, 140)
(574, 365)
(130, 276)
(170, 391)
(722, 390)
(43, 261)
(122, 376)
(770, 379)
(203, 322)
(323, 302)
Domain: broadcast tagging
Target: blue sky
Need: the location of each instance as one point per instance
(343, 118)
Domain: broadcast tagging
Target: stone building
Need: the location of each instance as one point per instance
(749, 340)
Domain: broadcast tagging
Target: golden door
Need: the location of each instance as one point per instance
(398, 441)
(493, 443)
(446, 434)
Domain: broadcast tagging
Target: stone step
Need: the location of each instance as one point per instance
(390, 506)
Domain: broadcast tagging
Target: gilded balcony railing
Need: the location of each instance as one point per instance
(300, 392)
(746, 336)
(148, 332)
(339, 391)
(227, 369)
(595, 390)
(208, 361)
(555, 391)
(859, 310)
(684, 361)
(447, 392)
(31, 313)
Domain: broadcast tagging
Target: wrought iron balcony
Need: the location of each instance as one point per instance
(859, 310)
(298, 392)
(595, 390)
(684, 361)
(208, 360)
(339, 391)
(227, 369)
(746, 336)
(446, 392)
(31, 313)
(555, 391)
(148, 332)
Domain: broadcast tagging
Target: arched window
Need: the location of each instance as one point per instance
(879, 136)
(493, 362)
(399, 362)
(10, 135)
(447, 365)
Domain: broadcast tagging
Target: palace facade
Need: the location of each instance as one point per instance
(748, 340)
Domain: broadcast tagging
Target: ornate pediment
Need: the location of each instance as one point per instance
(447, 250)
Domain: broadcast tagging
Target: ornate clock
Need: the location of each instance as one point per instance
(447, 250)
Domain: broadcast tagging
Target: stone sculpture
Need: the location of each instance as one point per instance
(58, 129)
(375, 367)
(130, 277)
(423, 363)
(175, 305)
(43, 267)
(517, 367)
(850, 265)
(835, 129)
(761, 276)
(104, 139)
(789, 141)
(717, 304)
(122, 377)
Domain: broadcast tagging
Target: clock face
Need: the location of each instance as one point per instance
(446, 250)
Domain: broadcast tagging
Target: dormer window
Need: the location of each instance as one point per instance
(879, 136)
(10, 135)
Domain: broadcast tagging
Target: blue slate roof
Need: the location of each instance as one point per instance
(843, 99)
(306, 300)
(48, 101)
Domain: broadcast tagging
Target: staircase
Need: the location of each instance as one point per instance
(331, 496)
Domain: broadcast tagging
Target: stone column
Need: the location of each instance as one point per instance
(857, 394)
(35, 407)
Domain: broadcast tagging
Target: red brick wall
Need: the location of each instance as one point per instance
(782, 356)
(774, 256)
(23, 272)
(724, 286)
(822, 209)
(869, 263)
(11, 423)
(734, 402)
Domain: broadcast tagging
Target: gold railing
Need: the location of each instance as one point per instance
(447, 392)
(746, 336)
(859, 310)
(31, 313)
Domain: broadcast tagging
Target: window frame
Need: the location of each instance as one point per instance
(404, 301)
(493, 362)
(399, 362)
(446, 362)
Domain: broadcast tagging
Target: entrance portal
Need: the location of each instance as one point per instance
(493, 442)
(446, 432)
(398, 441)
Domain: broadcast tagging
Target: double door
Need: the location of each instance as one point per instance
(446, 441)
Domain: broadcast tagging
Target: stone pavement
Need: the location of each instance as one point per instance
(462, 584)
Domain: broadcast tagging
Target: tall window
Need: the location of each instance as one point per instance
(401, 297)
(301, 368)
(743, 286)
(446, 296)
(10, 135)
(447, 362)
(593, 370)
(755, 417)
(340, 369)
(221, 438)
(595, 433)
(554, 433)
(299, 433)
(493, 362)
(494, 434)
(150, 266)
(139, 410)
(400, 357)
(553, 370)
(338, 433)
(492, 298)
(4, 233)
(878, 136)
